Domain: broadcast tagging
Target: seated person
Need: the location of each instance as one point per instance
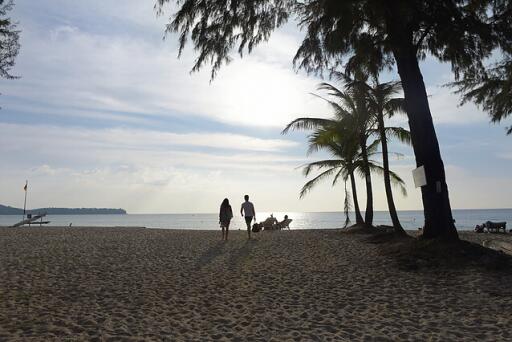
(284, 223)
(270, 222)
(479, 228)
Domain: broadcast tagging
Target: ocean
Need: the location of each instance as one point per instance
(466, 219)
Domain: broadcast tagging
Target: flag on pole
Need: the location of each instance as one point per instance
(26, 186)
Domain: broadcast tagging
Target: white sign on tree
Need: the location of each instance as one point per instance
(418, 174)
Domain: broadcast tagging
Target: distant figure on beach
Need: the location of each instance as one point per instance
(225, 216)
(480, 228)
(248, 211)
(284, 223)
(270, 222)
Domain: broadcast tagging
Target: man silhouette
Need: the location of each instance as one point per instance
(247, 209)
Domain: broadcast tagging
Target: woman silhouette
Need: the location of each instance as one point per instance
(225, 216)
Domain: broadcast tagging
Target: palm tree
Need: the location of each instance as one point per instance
(359, 114)
(348, 160)
(352, 116)
(382, 104)
(351, 109)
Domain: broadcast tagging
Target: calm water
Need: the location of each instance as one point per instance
(465, 219)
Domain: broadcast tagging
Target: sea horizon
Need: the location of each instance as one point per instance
(313, 212)
(465, 219)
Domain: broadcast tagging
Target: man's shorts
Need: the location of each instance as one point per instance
(248, 220)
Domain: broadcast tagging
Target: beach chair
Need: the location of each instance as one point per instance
(284, 224)
(495, 227)
(270, 223)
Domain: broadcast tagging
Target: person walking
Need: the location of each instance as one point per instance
(225, 216)
(247, 209)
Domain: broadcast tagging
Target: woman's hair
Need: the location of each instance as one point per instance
(225, 203)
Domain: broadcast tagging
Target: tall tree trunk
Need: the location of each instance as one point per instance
(368, 214)
(359, 218)
(387, 180)
(436, 203)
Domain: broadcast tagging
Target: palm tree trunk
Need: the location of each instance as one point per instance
(368, 214)
(359, 218)
(387, 180)
(436, 203)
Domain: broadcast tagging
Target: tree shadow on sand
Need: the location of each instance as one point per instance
(413, 254)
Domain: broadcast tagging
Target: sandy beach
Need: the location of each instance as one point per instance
(135, 284)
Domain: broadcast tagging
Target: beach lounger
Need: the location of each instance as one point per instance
(495, 227)
(270, 223)
(284, 224)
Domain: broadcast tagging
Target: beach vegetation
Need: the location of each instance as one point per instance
(352, 136)
(9, 40)
(490, 88)
(376, 33)
(382, 103)
(348, 160)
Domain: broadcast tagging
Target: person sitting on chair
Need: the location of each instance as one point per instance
(284, 223)
(479, 228)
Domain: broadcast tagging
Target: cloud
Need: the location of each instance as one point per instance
(469, 190)
(142, 170)
(73, 139)
(445, 108)
(505, 155)
(72, 72)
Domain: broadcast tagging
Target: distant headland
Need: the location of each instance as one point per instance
(6, 210)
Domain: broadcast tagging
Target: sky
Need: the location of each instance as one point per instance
(106, 115)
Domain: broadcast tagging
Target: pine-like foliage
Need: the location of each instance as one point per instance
(9, 40)
(367, 32)
(491, 89)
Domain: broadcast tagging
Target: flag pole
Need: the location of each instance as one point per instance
(25, 203)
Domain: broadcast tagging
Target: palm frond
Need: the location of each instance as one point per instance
(400, 133)
(338, 109)
(395, 180)
(306, 124)
(342, 173)
(332, 90)
(321, 164)
(398, 182)
(312, 183)
(395, 106)
(373, 147)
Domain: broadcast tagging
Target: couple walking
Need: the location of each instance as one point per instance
(226, 214)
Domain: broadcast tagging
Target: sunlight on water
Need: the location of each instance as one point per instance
(465, 219)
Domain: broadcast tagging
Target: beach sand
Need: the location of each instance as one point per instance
(135, 284)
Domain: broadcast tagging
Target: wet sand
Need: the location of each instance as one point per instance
(133, 284)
